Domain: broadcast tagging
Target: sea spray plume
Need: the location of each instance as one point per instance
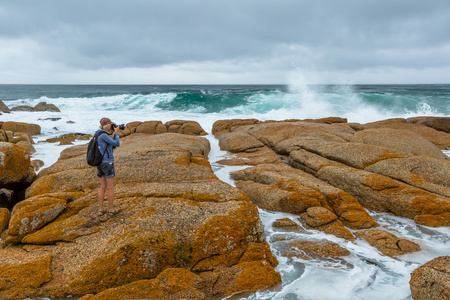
(310, 100)
(359, 104)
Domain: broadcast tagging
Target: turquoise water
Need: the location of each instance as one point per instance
(357, 102)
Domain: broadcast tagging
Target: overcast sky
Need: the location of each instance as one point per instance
(224, 42)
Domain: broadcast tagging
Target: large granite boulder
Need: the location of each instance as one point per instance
(185, 127)
(22, 108)
(177, 283)
(401, 140)
(251, 157)
(438, 123)
(4, 108)
(226, 126)
(384, 194)
(23, 274)
(284, 137)
(282, 188)
(246, 150)
(440, 138)
(427, 173)
(5, 215)
(389, 166)
(32, 214)
(286, 224)
(31, 129)
(177, 219)
(432, 280)
(238, 142)
(175, 126)
(151, 127)
(15, 170)
(21, 139)
(44, 106)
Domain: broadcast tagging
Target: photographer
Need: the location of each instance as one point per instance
(106, 171)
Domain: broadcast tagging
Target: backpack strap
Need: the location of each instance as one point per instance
(97, 136)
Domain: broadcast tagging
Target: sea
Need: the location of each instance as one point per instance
(366, 273)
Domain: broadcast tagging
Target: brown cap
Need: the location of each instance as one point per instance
(105, 121)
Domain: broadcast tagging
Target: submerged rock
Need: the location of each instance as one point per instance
(315, 249)
(286, 223)
(387, 243)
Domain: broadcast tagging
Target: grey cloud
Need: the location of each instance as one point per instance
(336, 35)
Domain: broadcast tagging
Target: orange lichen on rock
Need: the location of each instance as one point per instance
(14, 164)
(5, 216)
(323, 219)
(172, 283)
(144, 258)
(22, 279)
(426, 203)
(44, 185)
(199, 159)
(141, 289)
(223, 239)
(257, 275)
(259, 251)
(32, 214)
(433, 220)
(379, 182)
(349, 211)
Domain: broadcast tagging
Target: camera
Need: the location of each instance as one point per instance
(121, 126)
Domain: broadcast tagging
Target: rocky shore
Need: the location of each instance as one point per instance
(183, 233)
